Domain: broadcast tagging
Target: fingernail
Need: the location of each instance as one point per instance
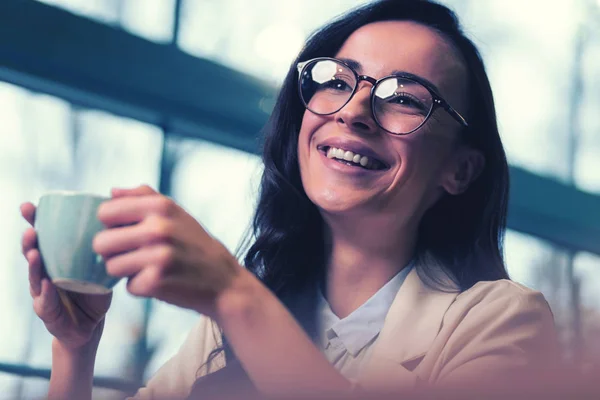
(116, 192)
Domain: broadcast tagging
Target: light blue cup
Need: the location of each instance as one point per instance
(66, 224)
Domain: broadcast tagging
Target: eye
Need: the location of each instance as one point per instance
(337, 84)
(407, 101)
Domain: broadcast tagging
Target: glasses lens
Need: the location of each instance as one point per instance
(401, 105)
(326, 86)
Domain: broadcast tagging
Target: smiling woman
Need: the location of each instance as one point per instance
(376, 255)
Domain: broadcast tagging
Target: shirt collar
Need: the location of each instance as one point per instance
(363, 324)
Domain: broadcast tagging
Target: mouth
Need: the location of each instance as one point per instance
(352, 159)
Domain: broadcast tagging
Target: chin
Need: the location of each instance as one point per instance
(332, 201)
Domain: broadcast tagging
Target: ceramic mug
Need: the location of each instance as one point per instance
(66, 223)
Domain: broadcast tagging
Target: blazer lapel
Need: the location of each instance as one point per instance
(412, 323)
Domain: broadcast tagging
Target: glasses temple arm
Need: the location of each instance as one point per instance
(455, 114)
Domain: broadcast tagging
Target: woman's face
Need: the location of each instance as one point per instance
(420, 166)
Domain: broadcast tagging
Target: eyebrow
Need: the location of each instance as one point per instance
(358, 66)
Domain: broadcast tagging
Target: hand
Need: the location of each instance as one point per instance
(88, 310)
(163, 251)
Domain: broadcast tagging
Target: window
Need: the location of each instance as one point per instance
(72, 149)
(541, 266)
(150, 19)
(587, 282)
(261, 38)
(587, 162)
(218, 186)
(48, 143)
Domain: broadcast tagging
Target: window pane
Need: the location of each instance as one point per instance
(106, 11)
(49, 145)
(587, 166)
(587, 272)
(260, 37)
(530, 76)
(150, 19)
(218, 186)
(541, 266)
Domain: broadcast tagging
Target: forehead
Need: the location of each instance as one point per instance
(386, 46)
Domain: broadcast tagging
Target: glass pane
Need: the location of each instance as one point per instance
(217, 186)
(527, 72)
(14, 175)
(150, 19)
(539, 265)
(46, 144)
(261, 37)
(106, 11)
(588, 162)
(587, 273)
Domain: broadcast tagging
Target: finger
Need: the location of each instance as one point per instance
(28, 212)
(29, 240)
(47, 306)
(143, 190)
(132, 263)
(113, 241)
(131, 210)
(35, 272)
(146, 282)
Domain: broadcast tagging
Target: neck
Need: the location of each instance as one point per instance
(362, 258)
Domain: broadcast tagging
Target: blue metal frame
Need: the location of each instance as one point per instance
(95, 65)
(25, 371)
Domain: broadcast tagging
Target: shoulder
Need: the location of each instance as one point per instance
(499, 292)
(202, 340)
(176, 377)
(496, 329)
(197, 348)
(499, 288)
(503, 308)
(485, 299)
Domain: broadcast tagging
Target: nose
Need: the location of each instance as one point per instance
(356, 114)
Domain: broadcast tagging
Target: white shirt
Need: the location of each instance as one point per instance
(347, 342)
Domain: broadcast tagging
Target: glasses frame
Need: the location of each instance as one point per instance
(438, 101)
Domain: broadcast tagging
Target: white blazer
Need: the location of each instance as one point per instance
(430, 337)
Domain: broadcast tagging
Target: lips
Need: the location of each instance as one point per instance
(353, 153)
(353, 159)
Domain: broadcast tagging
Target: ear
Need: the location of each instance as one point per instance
(464, 169)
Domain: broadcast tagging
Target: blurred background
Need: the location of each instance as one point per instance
(172, 93)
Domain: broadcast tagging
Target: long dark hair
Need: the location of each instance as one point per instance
(461, 234)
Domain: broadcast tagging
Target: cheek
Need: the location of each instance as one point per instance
(410, 151)
(310, 124)
(422, 158)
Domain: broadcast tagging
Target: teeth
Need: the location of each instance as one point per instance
(340, 154)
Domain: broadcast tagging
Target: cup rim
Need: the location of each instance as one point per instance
(73, 193)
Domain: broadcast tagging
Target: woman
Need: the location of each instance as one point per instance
(377, 254)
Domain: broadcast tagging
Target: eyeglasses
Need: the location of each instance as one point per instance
(400, 104)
